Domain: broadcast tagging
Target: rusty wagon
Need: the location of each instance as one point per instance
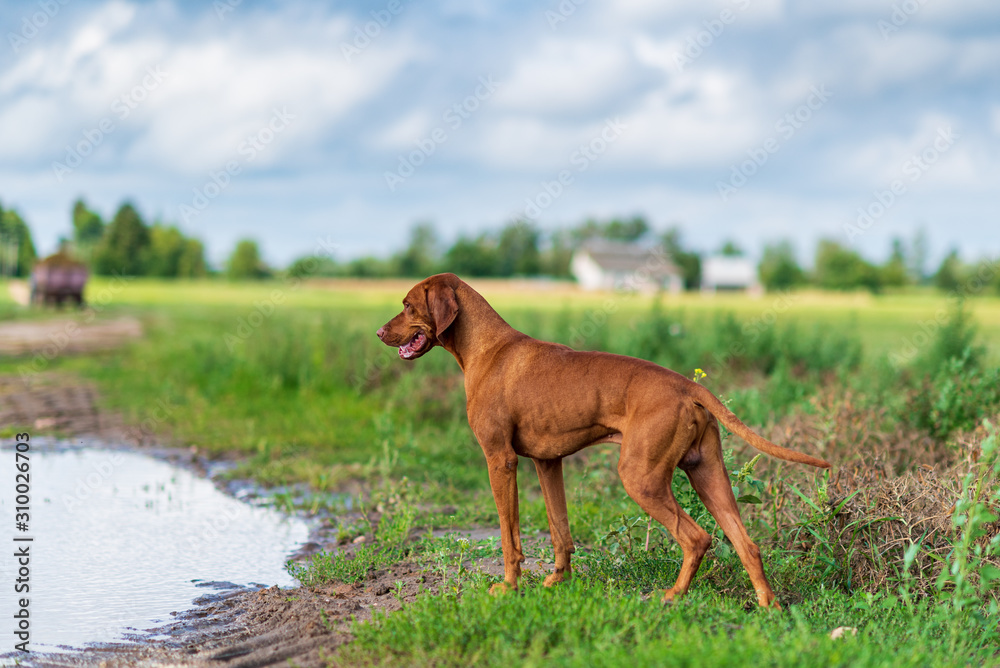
(58, 278)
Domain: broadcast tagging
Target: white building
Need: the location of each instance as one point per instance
(611, 265)
(728, 272)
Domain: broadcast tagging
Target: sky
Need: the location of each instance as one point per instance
(335, 127)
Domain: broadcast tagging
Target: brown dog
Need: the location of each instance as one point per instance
(546, 401)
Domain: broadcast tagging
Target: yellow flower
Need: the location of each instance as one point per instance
(699, 374)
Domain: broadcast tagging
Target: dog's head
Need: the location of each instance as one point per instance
(429, 309)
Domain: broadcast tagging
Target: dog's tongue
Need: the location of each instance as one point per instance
(408, 350)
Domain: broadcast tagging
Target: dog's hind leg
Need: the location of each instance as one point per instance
(550, 476)
(646, 467)
(709, 478)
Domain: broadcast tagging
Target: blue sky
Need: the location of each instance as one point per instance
(753, 120)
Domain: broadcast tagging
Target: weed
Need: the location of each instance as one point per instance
(390, 547)
(969, 577)
(958, 397)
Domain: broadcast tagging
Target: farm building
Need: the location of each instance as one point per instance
(728, 272)
(610, 265)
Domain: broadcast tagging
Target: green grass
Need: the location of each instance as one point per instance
(881, 322)
(291, 380)
(582, 623)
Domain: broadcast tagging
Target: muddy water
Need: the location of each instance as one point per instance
(121, 540)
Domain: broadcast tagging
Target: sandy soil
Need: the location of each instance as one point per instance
(55, 403)
(19, 291)
(302, 627)
(64, 335)
(267, 627)
(52, 402)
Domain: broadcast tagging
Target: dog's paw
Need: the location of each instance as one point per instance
(767, 600)
(671, 596)
(501, 588)
(555, 578)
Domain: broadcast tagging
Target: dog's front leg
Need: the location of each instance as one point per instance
(550, 476)
(503, 480)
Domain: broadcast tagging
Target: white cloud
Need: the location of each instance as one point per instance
(685, 126)
(25, 124)
(525, 142)
(217, 89)
(865, 63)
(568, 76)
(401, 134)
(645, 14)
(697, 119)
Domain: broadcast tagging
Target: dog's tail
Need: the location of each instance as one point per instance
(709, 401)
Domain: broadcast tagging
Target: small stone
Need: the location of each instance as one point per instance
(841, 631)
(359, 539)
(381, 590)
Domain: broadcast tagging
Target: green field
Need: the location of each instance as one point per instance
(883, 322)
(291, 380)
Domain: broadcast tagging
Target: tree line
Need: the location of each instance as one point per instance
(17, 250)
(521, 249)
(126, 244)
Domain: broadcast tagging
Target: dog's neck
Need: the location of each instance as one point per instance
(478, 329)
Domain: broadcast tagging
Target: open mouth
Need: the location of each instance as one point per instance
(414, 347)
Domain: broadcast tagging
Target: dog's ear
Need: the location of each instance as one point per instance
(443, 306)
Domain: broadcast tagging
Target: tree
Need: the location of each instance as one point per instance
(88, 228)
(779, 269)
(949, 275)
(894, 273)
(557, 255)
(917, 264)
(839, 268)
(370, 267)
(613, 230)
(472, 257)
(245, 262)
(517, 250)
(421, 254)
(191, 263)
(731, 249)
(17, 250)
(688, 262)
(124, 248)
(165, 251)
(626, 230)
(315, 265)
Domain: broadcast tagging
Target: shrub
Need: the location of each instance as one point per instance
(958, 397)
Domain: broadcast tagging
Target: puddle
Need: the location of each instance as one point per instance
(121, 540)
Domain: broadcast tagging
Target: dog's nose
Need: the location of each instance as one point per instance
(380, 332)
